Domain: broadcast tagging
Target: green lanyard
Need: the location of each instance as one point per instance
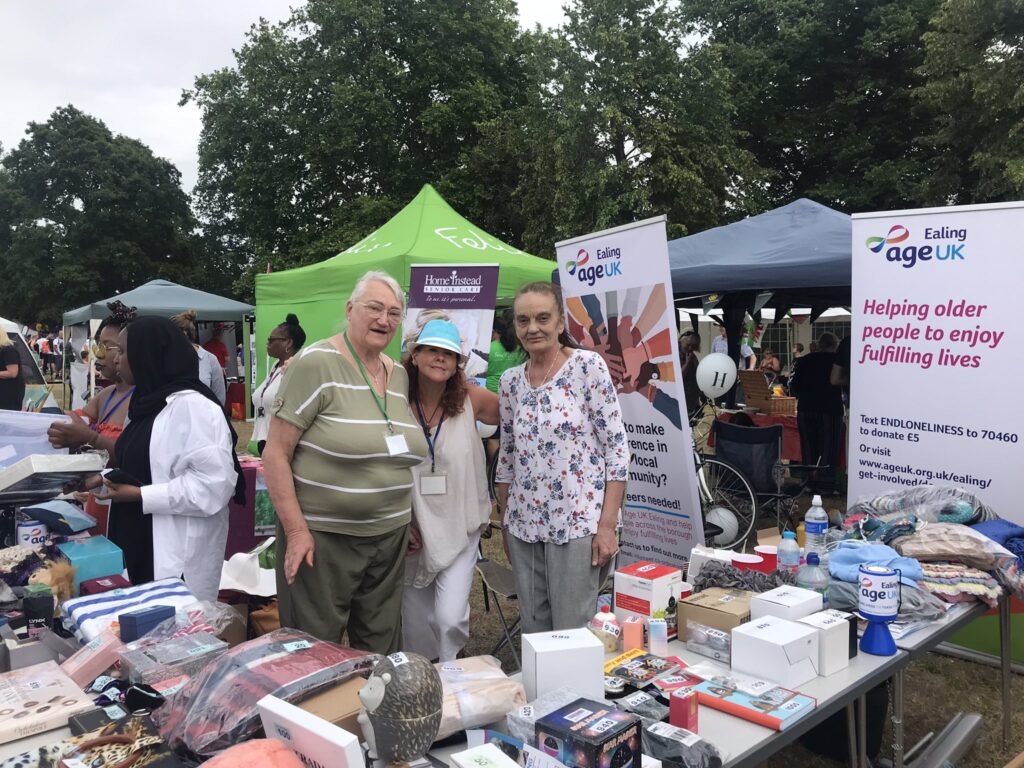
(382, 404)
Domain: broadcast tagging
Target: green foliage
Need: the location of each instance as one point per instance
(974, 72)
(84, 214)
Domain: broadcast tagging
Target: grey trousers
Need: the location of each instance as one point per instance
(556, 584)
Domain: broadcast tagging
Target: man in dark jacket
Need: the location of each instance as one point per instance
(819, 410)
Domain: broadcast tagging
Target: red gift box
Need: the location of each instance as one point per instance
(682, 709)
(104, 584)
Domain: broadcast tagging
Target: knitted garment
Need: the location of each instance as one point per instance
(887, 528)
(715, 573)
(957, 583)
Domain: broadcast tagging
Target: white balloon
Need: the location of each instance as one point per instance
(716, 373)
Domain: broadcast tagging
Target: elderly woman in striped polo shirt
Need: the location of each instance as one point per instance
(338, 465)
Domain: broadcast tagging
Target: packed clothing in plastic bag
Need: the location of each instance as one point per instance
(217, 707)
(915, 604)
(929, 503)
(476, 692)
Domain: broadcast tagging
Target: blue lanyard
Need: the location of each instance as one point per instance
(104, 413)
(426, 432)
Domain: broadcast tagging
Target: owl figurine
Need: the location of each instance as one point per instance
(401, 708)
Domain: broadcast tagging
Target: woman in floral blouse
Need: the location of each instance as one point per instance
(561, 469)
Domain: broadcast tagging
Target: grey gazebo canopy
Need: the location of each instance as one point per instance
(162, 297)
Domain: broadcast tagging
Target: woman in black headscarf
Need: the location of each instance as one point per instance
(177, 460)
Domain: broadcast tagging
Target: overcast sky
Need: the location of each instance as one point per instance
(127, 61)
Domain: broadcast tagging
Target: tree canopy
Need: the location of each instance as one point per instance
(704, 110)
(85, 213)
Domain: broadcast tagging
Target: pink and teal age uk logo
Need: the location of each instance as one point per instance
(941, 244)
(897, 234)
(581, 259)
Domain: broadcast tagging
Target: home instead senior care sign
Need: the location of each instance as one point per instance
(618, 298)
(935, 352)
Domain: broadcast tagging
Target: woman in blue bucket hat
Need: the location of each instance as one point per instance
(450, 504)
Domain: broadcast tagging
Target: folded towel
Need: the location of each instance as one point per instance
(845, 560)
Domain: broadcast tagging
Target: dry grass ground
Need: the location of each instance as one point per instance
(936, 688)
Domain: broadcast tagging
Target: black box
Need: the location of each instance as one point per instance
(586, 734)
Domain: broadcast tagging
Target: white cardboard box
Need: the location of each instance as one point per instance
(833, 640)
(643, 588)
(785, 652)
(314, 740)
(785, 602)
(571, 658)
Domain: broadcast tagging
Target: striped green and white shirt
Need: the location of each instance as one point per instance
(345, 480)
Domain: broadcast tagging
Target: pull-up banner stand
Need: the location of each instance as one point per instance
(935, 353)
(618, 294)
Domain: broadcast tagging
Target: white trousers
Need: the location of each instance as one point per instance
(435, 618)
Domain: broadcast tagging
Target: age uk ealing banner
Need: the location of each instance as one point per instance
(936, 353)
(618, 296)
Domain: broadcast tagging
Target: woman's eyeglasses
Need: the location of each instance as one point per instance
(377, 310)
(100, 351)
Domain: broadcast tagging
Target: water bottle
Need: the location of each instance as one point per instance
(816, 523)
(813, 577)
(789, 553)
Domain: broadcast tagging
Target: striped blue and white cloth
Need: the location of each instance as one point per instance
(88, 616)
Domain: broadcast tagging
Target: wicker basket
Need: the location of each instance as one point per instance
(757, 395)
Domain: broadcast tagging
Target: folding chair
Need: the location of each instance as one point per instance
(757, 453)
(498, 581)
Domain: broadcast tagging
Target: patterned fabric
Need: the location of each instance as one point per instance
(930, 503)
(955, 583)
(887, 528)
(560, 443)
(715, 573)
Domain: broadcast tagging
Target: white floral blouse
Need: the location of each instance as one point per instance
(560, 444)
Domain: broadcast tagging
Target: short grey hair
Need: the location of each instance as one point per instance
(377, 276)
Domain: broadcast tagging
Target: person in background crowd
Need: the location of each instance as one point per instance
(216, 347)
(450, 502)
(282, 344)
(44, 354)
(179, 448)
(689, 346)
(12, 378)
(720, 343)
(505, 353)
(813, 347)
(562, 467)
(798, 350)
(338, 463)
(840, 376)
(100, 422)
(771, 366)
(819, 410)
(211, 372)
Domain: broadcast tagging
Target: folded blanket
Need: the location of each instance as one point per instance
(956, 583)
(88, 616)
(845, 560)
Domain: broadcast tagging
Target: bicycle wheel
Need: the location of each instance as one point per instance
(725, 495)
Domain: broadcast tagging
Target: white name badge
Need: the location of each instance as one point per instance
(434, 484)
(396, 444)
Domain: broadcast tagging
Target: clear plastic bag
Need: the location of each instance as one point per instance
(930, 503)
(915, 604)
(476, 692)
(203, 616)
(522, 721)
(679, 746)
(217, 707)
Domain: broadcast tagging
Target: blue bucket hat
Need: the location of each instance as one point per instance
(442, 334)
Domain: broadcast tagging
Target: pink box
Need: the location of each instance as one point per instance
(682, 709)
(632, 633)
(93, 659)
